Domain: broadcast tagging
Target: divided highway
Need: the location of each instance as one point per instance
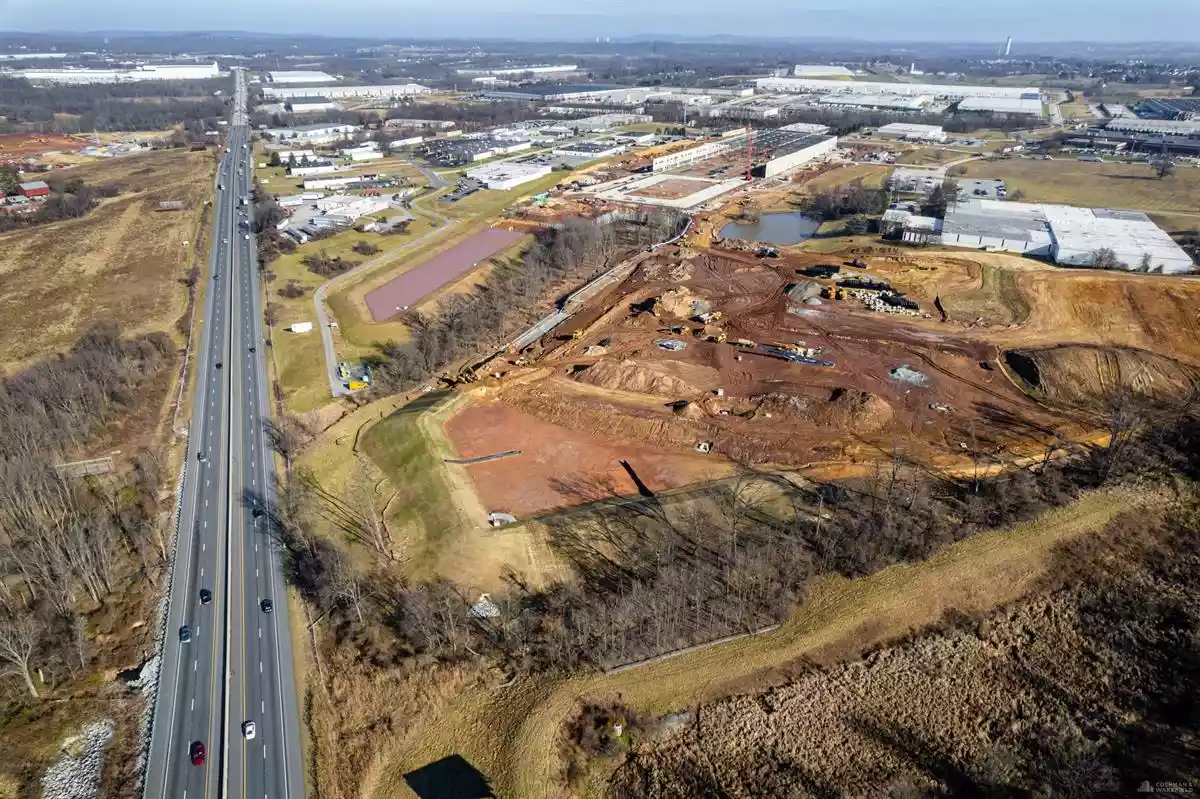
(227, 658)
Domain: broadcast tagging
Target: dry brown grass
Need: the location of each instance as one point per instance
(510, 733)
(1106, 185)
(123, 261)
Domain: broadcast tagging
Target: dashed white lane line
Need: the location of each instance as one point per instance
(260, 667)
(194, 662)
(193, 707)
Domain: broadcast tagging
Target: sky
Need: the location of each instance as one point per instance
(909, 20)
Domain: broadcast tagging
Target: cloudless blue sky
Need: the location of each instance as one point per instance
(928, 20)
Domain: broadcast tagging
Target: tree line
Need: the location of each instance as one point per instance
(148, 105)
(654, 575)
(465, 324)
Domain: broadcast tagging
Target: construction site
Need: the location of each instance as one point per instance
(702, 359)
(689, 177)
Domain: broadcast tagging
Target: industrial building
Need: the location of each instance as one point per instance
(698, 153)
(952, 91)
(606, 121)
(369, 152)
(577, 93)
(328, 183)
(911, 132)
(810, 128)
(749, 111)
(1063, 233)
(882, 102)
(1030, 106)
(1165, 127)
(821, 71)
(300, 76)
(310, 105)
(539, 69)
(345, 92)
(411, 141)
(306, 168)
(143, 72)
(1182, 108)
(456, 152)
(312, 134)
(503, 177)
(590, 149)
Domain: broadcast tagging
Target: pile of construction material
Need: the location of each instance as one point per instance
(886, 302)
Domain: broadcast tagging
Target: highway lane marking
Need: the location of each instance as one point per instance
(193, 708)
(260, 667)
(194, 664)
(201, 574)
(260, 632)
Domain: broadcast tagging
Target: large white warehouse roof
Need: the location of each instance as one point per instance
(951, 90)
(820, 71)
(1003, 105)
(300, 76)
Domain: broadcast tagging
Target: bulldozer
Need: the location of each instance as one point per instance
(577, 334)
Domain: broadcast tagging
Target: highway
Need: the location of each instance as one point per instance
(237, 665)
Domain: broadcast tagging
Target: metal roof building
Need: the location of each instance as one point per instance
(905, 130)
(1063, 233)
(1003, 105)
(821, 71)
(882, 101)
(956, 91)
(300, 76)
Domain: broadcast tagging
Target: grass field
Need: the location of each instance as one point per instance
(510, 733)
(300, 357)
(1103, 185)
(124, 261)
(871, 175)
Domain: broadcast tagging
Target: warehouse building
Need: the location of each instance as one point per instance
(911, 132)
(1064, 234)
(305, 168)
(809, 128)
(143, 72)
(1182, 108)
(300, 76)
(310, 105)
(346, 92)
(882, 102)
(368, 152)
(328, 183)
(1162, 127)
(312, 134)
(503, 177)
(1027, 106)
(821, 71)
(606, 121)
(952, 91)
(590, 149)
(743, 111)
(698, 153)
(538, 69)
(553, 93)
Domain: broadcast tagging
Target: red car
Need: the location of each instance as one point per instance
(197, 754)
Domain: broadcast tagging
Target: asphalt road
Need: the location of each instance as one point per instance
(237, 667)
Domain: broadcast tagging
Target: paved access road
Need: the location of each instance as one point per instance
(237, 667)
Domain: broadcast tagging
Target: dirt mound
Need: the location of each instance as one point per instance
(682, 304)
(844, 408)
(665, 379)
(1083, 375)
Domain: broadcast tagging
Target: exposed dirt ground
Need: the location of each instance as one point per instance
(623, 395)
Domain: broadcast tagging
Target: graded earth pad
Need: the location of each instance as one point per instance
(1090, 376)
(559, 466)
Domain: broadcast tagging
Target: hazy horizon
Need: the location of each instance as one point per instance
(1105, 21)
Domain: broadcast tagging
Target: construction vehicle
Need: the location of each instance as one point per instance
(357, 385)
(577, 334)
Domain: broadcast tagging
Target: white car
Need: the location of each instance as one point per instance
(246, 236)
(248, 730)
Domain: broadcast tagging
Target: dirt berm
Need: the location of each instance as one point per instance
(1080, 375)
(844, 408)
(664, 379)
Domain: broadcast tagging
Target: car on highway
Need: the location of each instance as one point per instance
(267, 606)
(249, 729)
(246, 236)
(218, 364)
(185, 634)
(205, 596)
(224, 241)
(197, 753)
(200, 456)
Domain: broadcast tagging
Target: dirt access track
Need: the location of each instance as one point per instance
(592, 412)
(19, 146)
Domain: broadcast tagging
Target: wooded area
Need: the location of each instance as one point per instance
(65, 541)
(149, 105)
(652, 576)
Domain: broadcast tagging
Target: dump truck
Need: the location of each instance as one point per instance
(357, 385)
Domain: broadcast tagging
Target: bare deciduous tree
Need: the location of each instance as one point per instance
(18, 637)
